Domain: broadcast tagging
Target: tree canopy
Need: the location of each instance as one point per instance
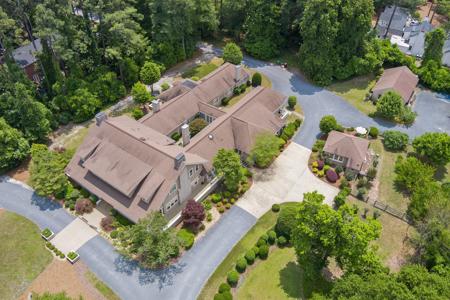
(227, 163)
(232, 53)
(13, 146)
(266, 148)
(150, 241)
(434, 146)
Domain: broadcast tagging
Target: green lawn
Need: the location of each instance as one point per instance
(22, 254)
(75, 141)
(101, 287)
(354, 91)
(202, 70)
(388, 192)
(278, 277)
(266, 222)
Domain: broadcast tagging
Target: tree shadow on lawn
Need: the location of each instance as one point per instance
(294, 284)
(164, 277)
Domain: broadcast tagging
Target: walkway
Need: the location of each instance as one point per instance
(73, 236)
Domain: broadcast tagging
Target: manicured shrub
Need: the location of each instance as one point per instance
(208, 217)
(165, 86)
(232, 278)
(232, 201)
(320, 173)
(114, 234)
(107, 223)
(320, 164)
(219, 296)
(264, 237)
(326, 168)
(349, 175)
(250, 256)
(315, 170)
(261, 242)
(315, 164)
(292, 101)
(297, 123)
(221, 209)
(186, 238)
(207, 204)
(256, 250)
(344, 183)
(361, 193)
(195, 78)
(62, 255)
(339, 169)
(318, 146)
(332, 176)
(228, 205)
(373, 132)
(276, 207)
(395, 140)
(286, 221)
(241, 265)
(272, 237)
(227, 295)
(256, 79)
(328, 123)
(193, 214)
(263, 251)
(224, 287)
(137, 113)
(176, 136)
(216, 198)
(281, 241)
(83, 206)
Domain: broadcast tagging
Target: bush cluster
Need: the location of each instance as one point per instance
(83, 206)
(318, 146)
(240, 89)
(263, 251)
(107, 223)
(256, 79)
(241, 265)
(186, 238)
(341, 197)
(286, 221)
(373, 132)
(332, 176)
(395, 140)
(276, 207)
(250, 256)
(233, 278)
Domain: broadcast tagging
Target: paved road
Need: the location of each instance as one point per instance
(185, 279)
(433, 113)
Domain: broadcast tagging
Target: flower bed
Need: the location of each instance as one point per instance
(73, 256)
(55, 250)
(47, 234)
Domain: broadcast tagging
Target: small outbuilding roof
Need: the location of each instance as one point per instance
(401, 80)
(351, 147)
(25, 55)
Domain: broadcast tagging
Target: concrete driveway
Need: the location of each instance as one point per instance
(73, 236)
(287, 179)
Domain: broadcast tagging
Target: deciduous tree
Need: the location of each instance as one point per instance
(266, 148)
(434, 43)
(232, 53)
(13, 146)
(434, 146)
(228, 164)
(150, 241)
(193, 214)
(140, 93)
(150, 73)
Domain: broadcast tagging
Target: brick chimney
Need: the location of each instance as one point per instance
(100, 117)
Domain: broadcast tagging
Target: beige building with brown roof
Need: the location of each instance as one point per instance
(401, 80)
(348, 151)
(136, 167)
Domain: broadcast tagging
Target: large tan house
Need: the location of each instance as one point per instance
(348, 151)
(136, 167)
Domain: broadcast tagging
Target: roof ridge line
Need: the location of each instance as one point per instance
(147, 144)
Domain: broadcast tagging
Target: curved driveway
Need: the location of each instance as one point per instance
(433, 113)
(185, 279)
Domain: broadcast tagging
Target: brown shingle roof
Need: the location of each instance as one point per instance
(349, 146)
(188, 104)
(399, 79)
(132, 166)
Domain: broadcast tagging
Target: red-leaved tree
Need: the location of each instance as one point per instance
(193, 214)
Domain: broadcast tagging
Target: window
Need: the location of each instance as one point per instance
(338, 158)
(171, 203)
(196, 168)
(195, 182)
(173, 189)
(191, 172)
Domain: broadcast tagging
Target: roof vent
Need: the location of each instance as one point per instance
(100, 117)
(210, 136)
(156, 105)
(142, 138)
